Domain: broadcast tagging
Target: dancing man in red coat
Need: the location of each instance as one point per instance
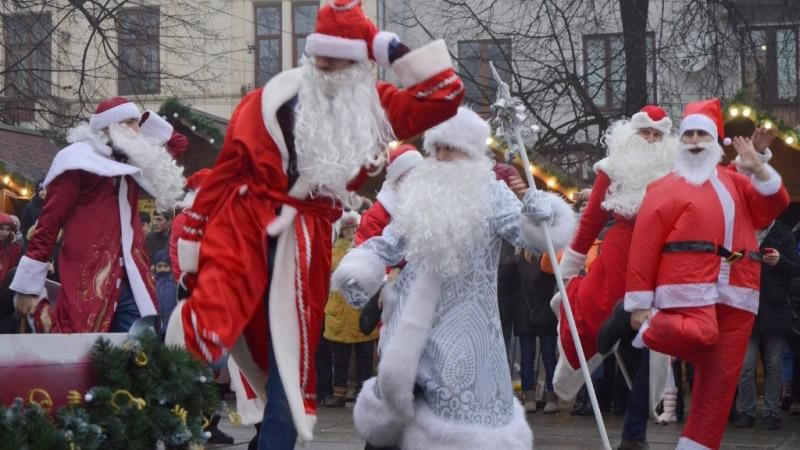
(259, 229)
(93, 195)
(694, 267)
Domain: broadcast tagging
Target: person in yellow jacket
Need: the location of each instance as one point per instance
(341, 325)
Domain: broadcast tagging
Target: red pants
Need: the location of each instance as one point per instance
(714, 339)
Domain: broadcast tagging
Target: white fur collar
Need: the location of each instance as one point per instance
(278, 90)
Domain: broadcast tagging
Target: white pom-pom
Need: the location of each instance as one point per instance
(211, 140)
(202, 379)
(726, 141)
(207, 434)
(88, 397)
(175, 115)
(194, 128)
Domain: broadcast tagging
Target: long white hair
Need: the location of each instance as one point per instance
(340, 126)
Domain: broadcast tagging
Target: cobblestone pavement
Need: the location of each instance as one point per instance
(335, 431)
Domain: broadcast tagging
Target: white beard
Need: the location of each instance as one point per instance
(697, 169)
(340, 127)
(442, 212)
(155, 162)
(632, 164)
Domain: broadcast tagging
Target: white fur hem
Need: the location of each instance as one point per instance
(374, 422)
(431, 432)
(362, 266)
(250, 410)
(769, 187)
(30, 276)
(157, 128)
(188, 255)
(638, 300)
(685, 443)
(567, 381)
(571, 263)
(422, 63)
(380, 47)
(175, 334)
(318, 44)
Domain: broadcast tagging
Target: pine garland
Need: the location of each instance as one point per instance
(148, 396)
(204, 126)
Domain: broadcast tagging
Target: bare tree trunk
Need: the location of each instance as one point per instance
(634, 34)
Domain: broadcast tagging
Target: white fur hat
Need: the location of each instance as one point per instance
(466, 131)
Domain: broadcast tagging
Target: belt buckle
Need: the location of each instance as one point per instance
(733, 257)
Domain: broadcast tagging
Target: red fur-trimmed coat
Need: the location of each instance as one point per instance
(248, 185)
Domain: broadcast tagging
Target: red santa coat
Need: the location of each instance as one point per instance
(249, 184)
(94, 199)
(726, 210)
(373, 221)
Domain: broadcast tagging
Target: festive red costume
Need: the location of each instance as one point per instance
(679, 264)
(242, 196)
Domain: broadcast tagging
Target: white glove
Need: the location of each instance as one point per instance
(537, 205)
(355, 296)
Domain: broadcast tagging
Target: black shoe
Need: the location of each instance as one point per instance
(744, 421)
(583, 405)
(772, 423)
(617, 327)
(253, 445)
(217, 436)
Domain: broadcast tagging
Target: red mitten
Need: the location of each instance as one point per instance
(177, 144)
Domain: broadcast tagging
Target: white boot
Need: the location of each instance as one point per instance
(670, 402)
(530, 401)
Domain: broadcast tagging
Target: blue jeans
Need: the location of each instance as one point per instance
(127, 312)
(277, 428)
(527, 350)
(772, 355)
(637, 412)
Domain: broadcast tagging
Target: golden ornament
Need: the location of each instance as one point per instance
(44, 400)
(140, 359)
(235, 418)
(180, 413)
(139, 403)
(74, 398)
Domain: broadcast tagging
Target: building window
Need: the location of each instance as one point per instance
(770, 64)
(268, 42)
(139, 43)
(473, 67)
(304, 19)
(604, 69)
(27, 63)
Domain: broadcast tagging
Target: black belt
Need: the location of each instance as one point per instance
(710, 247)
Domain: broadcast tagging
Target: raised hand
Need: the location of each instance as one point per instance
(749, 159)
(762, 137)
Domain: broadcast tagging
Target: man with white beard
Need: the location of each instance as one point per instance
(93, 192)
(258, 232)
(693, 273)
(443, 379)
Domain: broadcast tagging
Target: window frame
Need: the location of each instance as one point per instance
(609, 107)
(771, 95)
(485, 70)
(297, 36)
(259, 37)
(19, 108)
(130, 78)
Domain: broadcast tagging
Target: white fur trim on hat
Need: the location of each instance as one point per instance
(156, 127)
(318, 44)
(699, 122)
(422, 63)
(642, 120)
(466, 131)
(117, 114)
(380, 47)
(402, 164)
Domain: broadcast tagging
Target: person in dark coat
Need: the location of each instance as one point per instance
(166, 286)
(31, 212)
(773, 326)
(534, 318)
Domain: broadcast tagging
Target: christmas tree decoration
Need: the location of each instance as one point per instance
(147, 396)
(178, 111)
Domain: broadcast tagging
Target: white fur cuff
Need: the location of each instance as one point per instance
(769, 187)
(380, 47)
(188, 255)
(423, 63)
(156, 127)
(30, 276)
(361, 266)
(638, 300)
(562, 227)
(571, 263)
(374, 422)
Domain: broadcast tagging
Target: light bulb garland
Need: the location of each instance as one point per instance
(789, 136)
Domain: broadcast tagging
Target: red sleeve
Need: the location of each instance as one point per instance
(62, 196)
(174, 233)
(372, 224)
(426, 104)
(594, 217)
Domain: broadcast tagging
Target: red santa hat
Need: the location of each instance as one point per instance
(343, 31)
(705, 115)
(194, 182)
(466, 132)
(402, 159)
(652, 116)
(113, 110)
(6, 219)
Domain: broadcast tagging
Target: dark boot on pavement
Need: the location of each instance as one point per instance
(617, 327)
(744, 421)
(217, 436)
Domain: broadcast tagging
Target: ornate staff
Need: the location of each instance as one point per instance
(509, 118)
